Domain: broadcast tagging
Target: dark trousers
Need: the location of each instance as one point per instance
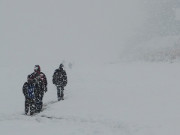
(60, 92)
(39, 101)
(29, 105)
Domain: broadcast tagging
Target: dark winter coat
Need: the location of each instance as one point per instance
(60, 77)
(40, 79)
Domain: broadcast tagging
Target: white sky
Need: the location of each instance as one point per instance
(81, 29)
(178, 14)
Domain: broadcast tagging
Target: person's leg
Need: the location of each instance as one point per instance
(41, 100)
(58, 93)
(38, 105)
(62, 93)
(32, 107)
(26, 106)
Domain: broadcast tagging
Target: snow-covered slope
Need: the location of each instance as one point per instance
(124, 98)
(104, 95)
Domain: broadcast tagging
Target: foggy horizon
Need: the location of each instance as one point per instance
(83, 30)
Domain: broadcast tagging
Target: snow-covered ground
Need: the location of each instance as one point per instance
(120, 98)
(122, 60)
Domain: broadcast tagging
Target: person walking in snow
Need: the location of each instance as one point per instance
(41, 81)
(29, 90)
(60, 81)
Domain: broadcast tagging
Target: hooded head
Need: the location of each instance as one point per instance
(29, 79)
(37, 69)
(61, 66)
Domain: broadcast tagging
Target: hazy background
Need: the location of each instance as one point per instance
(83, 31)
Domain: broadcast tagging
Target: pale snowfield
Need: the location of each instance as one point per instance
(104, 99)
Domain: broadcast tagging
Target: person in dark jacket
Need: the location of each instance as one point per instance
(40, 79)
(37, 75)
(29, 91)
(60, 80)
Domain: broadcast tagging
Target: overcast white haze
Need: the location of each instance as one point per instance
(121, 57)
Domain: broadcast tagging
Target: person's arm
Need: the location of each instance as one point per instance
(64, 78)
(24, 89)
(54, 79)
(45, 80)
